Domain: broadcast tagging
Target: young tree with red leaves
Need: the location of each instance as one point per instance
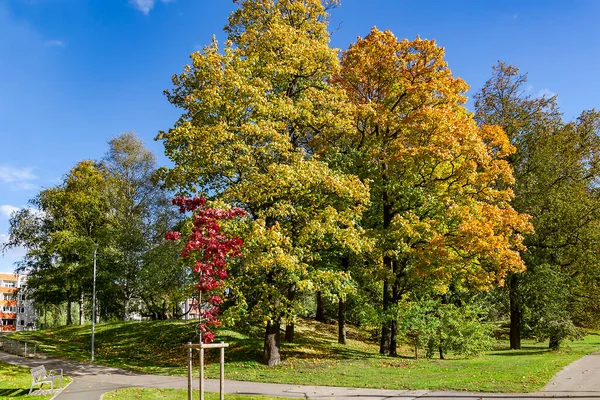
(207, 250)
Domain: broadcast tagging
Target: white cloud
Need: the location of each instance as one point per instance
(54, 43)
(143, 5)
(546, 93)
(146, 5)
(11, 174)
(7, 209)
(17, 178)
(10, 256)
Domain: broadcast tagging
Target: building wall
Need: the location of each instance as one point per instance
(16, 312)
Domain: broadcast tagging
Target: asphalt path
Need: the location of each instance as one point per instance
(579, 380)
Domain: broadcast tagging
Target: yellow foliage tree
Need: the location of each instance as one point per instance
(252, 115)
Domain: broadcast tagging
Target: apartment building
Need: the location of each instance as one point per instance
(16, 312)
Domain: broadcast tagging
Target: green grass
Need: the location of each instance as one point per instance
(316, 358)
(176, 394)
(16, 381)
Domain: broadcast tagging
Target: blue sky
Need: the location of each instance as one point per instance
(75, 73)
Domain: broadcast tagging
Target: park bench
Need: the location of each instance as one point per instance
(40, 376)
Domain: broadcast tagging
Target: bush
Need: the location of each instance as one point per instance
(445, 327)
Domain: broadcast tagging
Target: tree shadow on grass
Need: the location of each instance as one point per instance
(518, 353)
(12, 392)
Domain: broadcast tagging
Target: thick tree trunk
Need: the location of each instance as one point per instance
(81, 318)
(515, 313)
(554, 343)
(342, 321)
(69, 317)
(320, 316)
(441, 353)
(271, 355)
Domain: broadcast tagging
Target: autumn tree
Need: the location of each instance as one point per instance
(252, 114)
(556, 171)
(440, 190)
(207, 251)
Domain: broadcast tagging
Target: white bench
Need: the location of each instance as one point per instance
(40, 376)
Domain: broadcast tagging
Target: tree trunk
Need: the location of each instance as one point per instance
(165, 310)
(342, 321)
(320, 316)
(81, 318)
(393, 338)
(554, 343)
(384, 345)
(289, 332)
(69, 317)
(441, 353)
(271, 355)
(394, 297)
(125, 308)
(345, 264)
(289, 326)
(515, 313)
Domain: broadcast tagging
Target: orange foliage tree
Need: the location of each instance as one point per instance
(440, 185)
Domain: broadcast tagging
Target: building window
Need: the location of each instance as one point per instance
(22, 310)
(21, 322)
(10, 284)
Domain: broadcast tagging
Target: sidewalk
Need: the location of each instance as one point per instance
(580, 380)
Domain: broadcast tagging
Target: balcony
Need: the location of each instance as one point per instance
(8, 328)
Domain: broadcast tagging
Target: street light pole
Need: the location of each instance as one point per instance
(94, 302)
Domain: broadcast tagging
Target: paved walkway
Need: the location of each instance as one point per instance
(580, 380)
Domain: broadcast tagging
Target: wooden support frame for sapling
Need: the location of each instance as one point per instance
(200, 347)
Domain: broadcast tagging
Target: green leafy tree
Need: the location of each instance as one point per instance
(60, 234)
(556, 170)
(140, 213)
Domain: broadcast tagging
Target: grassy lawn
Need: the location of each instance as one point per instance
(316, 358)
(173, 394)
(16, 381)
